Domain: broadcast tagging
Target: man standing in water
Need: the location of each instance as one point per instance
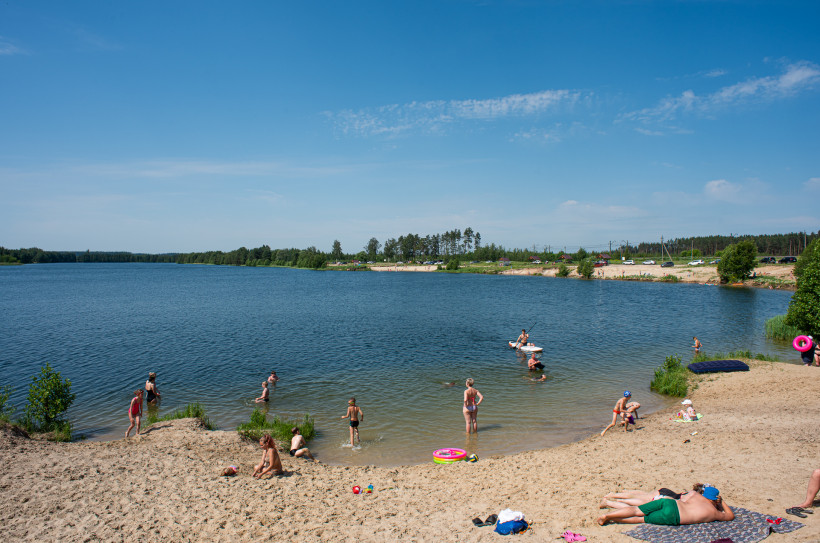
(533, 363)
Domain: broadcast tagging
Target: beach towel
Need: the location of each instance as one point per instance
(683, 419)
(747, 527)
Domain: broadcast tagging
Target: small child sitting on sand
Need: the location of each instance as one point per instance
(688, 414)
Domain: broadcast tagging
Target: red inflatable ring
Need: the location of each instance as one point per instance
(802, 343)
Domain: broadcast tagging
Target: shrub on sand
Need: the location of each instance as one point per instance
(279, 429)
(49, 397)
(671, 378)
(563, 270)
(6, 409)
(190, 411)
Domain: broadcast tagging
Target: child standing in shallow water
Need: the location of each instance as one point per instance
(355, 414)
(135, 412)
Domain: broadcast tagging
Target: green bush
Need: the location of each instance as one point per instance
(6, 409)
(452, 264)
(671, 378)
(586, 268)
(279, 429)
(703, 356)
(190, 411)
(776, 328)
(737, 262)
(49, 397)
(563, 270)
(804, 308)
(669, 279)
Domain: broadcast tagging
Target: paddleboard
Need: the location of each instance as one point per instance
(526, 348)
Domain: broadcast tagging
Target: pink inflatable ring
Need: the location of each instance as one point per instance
(447, 456)
(802, 343)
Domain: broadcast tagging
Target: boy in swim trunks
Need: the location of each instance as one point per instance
(298, 447)
(265, 393)
(619, 410)
(355, 414)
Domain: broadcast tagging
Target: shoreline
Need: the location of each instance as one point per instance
(757, 442)
(780, 277)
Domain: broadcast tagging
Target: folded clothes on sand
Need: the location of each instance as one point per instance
(747, 527)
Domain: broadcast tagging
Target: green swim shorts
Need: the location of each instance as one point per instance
(661, 511)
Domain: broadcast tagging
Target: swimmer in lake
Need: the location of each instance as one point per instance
(533, 363)
(265, 393)
(541, 380)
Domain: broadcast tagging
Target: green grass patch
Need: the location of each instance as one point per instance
(702, 357)
(671, 378)
(669, 279)
(278, 428)
(776, 328)
(190, 411)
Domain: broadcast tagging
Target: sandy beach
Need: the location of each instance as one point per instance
(757, 442)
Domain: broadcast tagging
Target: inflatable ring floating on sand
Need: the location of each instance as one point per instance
(448, 456)
(802, 343)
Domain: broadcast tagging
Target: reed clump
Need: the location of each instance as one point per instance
(702, 357)
(776, 328)
(190, 411)
(278, 428)
(671, 378)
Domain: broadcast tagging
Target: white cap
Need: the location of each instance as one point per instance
(687, 402)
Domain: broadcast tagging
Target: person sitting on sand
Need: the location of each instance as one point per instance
(135, 412)
(533, 363)
(619, 410)
(696, 509)
(629, 498)
(298, 446)
(265, 393)
(273, 378)
(151, 392)
(522, 339)
(811, 493)
(697, 345)
(354, 413)
(270, 457)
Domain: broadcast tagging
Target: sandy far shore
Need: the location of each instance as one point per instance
(758, 442)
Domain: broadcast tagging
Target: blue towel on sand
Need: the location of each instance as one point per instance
(747, 527)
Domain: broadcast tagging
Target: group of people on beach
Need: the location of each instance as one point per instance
(152, 396)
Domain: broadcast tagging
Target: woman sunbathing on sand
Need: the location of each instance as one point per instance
(627, 498)
(270, 457)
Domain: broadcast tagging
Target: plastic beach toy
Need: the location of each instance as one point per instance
(357, 489)
(369, 489)
(802, 343)
(448, 456)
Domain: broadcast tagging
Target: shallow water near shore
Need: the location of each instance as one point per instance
(392, 340)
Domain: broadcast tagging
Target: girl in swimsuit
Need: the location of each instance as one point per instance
(270, 456)
(471, 406)
(151, 392)
(135, 412)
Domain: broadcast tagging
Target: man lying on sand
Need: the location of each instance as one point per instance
(627, 498)
(692, 508)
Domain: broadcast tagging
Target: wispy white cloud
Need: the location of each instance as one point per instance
(812, 184)
(717, 72)
(7, 48)
(796, 78)
(434, 115)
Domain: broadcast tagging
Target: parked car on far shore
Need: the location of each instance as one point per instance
(768, 260)
(649, 262)
(668, 264)
(696, 263)
(715, 261)
(628, 262)
(788, 260)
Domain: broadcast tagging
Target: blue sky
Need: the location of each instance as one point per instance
(190, 126)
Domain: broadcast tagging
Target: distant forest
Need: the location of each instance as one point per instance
(464, 245)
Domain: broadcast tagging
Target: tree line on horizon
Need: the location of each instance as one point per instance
(453, 244)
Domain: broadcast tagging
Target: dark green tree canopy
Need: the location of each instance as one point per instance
(737, 262)
(804, 309)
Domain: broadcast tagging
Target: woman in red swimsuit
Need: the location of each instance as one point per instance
(472, 399)
(135, 412)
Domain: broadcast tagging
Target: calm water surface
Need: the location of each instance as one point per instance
(213, 334)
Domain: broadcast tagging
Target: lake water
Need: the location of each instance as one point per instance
(213, 334)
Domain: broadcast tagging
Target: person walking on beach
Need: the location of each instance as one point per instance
(697, 345)
(135, 412)
(533, 363)
(265, 393)
(298, 447)
(151, 392)
(619, 410)
(470, 408)
(270, 457)
(354, 413)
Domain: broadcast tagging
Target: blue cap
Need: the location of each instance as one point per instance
(627, 394)
(710, 492)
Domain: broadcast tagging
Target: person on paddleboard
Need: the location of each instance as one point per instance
(522, 339)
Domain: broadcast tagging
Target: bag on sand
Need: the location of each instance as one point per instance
(511, 527)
